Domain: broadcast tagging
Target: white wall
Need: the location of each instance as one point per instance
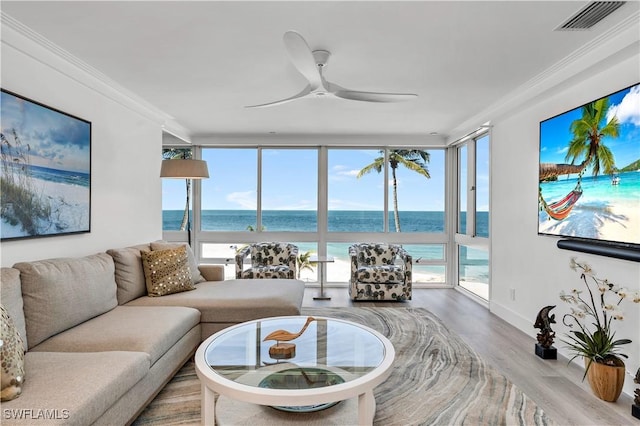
(125, 150)
(532, 264)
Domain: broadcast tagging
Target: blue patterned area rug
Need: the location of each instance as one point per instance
(437, 380)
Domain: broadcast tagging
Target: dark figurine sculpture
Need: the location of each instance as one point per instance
(544, 348)
(543, 322)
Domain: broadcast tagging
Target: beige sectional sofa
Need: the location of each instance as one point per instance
(98, 349)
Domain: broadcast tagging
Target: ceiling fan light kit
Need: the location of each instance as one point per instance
(311, 65)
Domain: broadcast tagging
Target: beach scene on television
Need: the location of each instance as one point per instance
(45, 170)
(589, 181)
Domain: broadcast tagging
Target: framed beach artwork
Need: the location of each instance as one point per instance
(46, 170)
(589, 174)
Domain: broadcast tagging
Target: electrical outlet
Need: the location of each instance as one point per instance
(512, 293)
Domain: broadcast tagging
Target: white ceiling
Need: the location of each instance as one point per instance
(201, 62)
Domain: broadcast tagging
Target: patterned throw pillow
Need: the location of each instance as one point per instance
(166, 271)
(12, 357)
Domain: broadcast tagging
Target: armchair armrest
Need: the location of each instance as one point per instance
(212, 272)
(240, 255)
(407, 261)
(404, 255)
(353, 255)
(293, 259)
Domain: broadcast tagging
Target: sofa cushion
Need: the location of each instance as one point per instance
(73, 388)
(61, 293)
(11, 292)
(392, 274)
(267, 272)
(234, 301)
(129, 272)
(12, 356)
(196, 276)
(166, 271)
(153, 330)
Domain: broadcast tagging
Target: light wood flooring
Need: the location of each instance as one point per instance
(555, 386)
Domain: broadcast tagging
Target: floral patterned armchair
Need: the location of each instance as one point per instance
(379, 272)
(268, 260)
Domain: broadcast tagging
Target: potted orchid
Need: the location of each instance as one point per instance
(593, 312)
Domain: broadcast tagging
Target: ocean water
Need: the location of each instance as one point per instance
(476, 266)
(596, 190)
(60, 176)
(306, 221)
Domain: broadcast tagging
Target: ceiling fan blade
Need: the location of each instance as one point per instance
(302, 58)
(302, 94)
(373, 96)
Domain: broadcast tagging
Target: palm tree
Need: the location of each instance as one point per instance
(588, 133)
(413, 159)
(304, 262)
(181, 154)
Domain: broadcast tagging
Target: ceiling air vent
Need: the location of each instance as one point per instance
(590, 15)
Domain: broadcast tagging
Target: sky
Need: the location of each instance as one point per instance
(555, 132)
(56, 140)
(290, 181)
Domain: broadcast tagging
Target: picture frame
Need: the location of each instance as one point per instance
(45, 170)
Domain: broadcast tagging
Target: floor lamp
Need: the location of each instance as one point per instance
(186, 169)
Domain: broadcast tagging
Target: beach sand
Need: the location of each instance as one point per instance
(623, 224)
(69, 209)
(615, 223)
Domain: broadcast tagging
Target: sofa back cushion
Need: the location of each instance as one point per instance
(129, 272)
(196, 276)
(11, 292)
(61, 293)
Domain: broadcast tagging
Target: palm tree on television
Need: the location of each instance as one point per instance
(588, 133)
(413, 159)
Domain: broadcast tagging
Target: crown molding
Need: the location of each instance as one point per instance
(617, 41)
(20, 37)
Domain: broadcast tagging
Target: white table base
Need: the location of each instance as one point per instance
(233, 412)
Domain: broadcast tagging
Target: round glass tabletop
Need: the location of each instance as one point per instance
(325, 352)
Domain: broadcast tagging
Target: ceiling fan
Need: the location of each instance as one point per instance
(311, 65)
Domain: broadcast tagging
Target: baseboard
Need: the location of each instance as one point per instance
(518, 321)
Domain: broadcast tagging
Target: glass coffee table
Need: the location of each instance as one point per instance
(331, 361)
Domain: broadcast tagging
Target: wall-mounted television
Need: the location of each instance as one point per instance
(589, 172)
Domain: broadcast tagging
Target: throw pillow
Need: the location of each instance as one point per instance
(12, 357)
(166, 271)
(196, 276)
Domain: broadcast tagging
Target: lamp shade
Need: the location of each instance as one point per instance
(184, 169)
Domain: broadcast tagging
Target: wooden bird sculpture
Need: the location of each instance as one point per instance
(286, 336)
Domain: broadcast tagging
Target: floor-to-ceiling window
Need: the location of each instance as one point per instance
(323, 199)
(472, 224)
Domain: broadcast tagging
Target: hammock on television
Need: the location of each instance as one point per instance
(560, 209)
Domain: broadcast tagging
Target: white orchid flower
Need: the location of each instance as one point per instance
(573, 264)
(618, 315)
(578, 313)
(567, 297)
